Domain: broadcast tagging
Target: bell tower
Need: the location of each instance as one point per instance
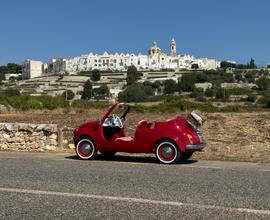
(173, 47)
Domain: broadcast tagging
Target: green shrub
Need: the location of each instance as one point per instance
(90, 104)
(50, 102)
(174, 104)
(68, 95)
(251, 98)
(222, 94)
(209, 92)
(11, 92)
(268, 104)
(231, 108)
(33, 104)
(263, 83)
(238, 91)
(134, 93)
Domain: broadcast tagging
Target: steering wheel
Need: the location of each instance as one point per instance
(117, 121)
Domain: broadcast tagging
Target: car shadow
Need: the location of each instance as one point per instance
(127, 158)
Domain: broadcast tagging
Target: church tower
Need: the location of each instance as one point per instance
(173, 47)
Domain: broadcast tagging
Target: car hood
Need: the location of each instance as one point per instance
(90, 124)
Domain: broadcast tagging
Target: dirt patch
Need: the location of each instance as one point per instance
(230, 136)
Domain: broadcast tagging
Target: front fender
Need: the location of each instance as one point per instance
(82, 132)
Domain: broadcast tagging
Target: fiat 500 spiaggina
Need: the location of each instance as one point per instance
(172, 140)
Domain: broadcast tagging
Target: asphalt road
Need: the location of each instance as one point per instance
(59, 186)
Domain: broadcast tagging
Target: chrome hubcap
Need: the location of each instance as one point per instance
(86, 148)
(167, 152)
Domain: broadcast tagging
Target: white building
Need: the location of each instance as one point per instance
(155, 60)
(31, 69)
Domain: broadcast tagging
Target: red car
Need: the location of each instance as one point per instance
(171, 140)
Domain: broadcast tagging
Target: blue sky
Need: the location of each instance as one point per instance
(221, 29)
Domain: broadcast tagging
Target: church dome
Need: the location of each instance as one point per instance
(154, 49)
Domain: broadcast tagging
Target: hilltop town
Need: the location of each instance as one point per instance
(155, 60)
(138, 78)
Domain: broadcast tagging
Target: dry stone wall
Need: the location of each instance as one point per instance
(28, 137)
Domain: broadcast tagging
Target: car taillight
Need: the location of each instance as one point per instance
(198, 132)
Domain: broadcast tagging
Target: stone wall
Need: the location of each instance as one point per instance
(28, 137)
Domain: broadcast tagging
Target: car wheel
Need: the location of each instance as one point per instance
(86, 149)
(108, 155)
(167, 152)
(184, 156)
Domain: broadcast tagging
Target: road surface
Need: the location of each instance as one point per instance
(47, 185)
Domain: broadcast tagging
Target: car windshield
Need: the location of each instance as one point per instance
(120, 110)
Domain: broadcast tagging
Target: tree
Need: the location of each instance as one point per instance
(68, 94)
(252, 64)
(133, 93)
(186, 83)
(209, 92)
(132, 75)
(170, 86)
(226, 64)
(11, 92)
(95, 75)
(238, 77)
(251, 97)
(11, 68)
(250, 77)
(101, 92)
(222, 94)
(87, 90)
(197, 93)
(263, 83)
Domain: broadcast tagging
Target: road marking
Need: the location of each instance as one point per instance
(134, 200)
(265, 170)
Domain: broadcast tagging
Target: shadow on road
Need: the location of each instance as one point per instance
(126, 158)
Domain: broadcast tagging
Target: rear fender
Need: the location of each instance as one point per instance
(180, 144)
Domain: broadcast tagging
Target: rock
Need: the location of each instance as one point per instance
(65, 141)
(8, 127)
(53, 136)
(28, 137)
(3, 147)
(52, 128)
(49, 147)
(41, 127)
(3, 108)
(26, 127)
(6, 136)
(53, 142)
(43, 138)
(2, 126)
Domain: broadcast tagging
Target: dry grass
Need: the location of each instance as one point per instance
(230, 136)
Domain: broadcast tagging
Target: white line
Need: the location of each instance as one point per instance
(265, 170)
(134, 200)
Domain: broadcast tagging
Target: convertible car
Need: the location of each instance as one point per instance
(172, 140)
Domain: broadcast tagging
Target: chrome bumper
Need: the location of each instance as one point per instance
(195, 146)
